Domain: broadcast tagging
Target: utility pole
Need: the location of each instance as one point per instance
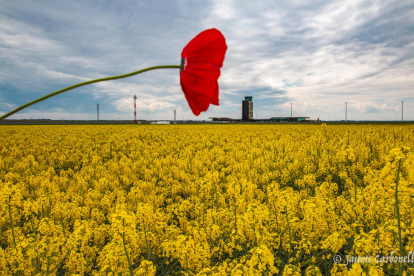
(346, 111)
(135, 108)
(175, 113)
(402, 111)
(97, 111)
(291, 109)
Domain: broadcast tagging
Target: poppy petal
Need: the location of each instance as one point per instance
(202, 59)
(215, 99)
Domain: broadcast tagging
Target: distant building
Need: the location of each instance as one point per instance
(289, 119)
(247, 115)
(222, 119)
(247, 108)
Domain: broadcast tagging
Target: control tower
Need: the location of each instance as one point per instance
(247, 108)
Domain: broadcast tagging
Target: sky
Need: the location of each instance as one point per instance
(316, 55)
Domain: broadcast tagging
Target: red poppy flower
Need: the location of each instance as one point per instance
(201, 61)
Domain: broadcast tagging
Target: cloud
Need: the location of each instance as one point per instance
(374, 108)
(316, 54)
(146, 106)
(6, 105)
(321, 40)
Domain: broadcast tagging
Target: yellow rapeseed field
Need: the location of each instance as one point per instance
(206, 199)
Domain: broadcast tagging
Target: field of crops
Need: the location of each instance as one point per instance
(206, 199)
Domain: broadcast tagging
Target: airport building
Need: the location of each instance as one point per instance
(247, 108)
(247, 115)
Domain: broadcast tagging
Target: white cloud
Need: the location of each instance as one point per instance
(374, 107)
(6, 106)
(316, 54)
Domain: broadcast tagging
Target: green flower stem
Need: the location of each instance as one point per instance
(59, 264)
(186, 260)
(86, 83)
(402, 251)
(11, 222)
(235, 209)
(290, 236)
(146, 242)
(131, 272)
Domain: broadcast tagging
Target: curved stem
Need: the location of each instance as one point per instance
(86, 83)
